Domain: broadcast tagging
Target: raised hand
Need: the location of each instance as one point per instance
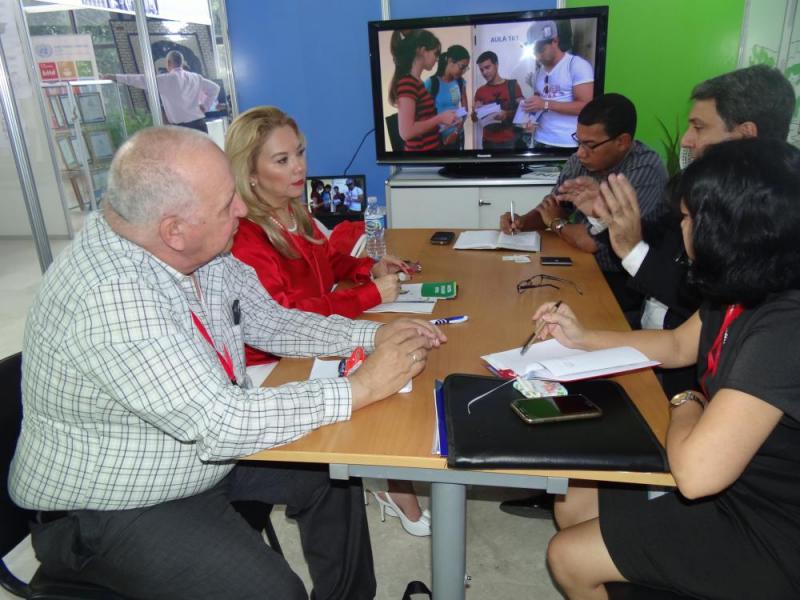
(583, 192)
(618, 207)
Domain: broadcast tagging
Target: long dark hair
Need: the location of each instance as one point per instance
(404, 46)
(454, 53)
(742, 197)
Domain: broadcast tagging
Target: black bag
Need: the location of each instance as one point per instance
(393, 125)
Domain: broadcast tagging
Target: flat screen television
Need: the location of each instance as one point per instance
(485, 60)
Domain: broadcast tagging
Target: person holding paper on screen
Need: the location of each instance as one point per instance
(732, 528)
(449, 91)
(496, 104)
(415, 51)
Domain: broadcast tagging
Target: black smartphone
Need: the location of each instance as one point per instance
(555, 261)
(442, 237)
(551, 409)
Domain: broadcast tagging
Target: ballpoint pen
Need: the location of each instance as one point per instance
(539, 326)
(450, 320)
(512, 217)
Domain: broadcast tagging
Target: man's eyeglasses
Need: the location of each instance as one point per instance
(589, 146)
(542, 280)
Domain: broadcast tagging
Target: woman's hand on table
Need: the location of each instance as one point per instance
(559, 322)
(388, 265)
(399, 357)
(388, 287)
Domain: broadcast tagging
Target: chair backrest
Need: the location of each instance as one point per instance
(13, 520)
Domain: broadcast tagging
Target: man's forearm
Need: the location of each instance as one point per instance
(532, 221)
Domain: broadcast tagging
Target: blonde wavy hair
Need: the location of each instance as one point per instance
(243, 142)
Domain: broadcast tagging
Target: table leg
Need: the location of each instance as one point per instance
(449, 539)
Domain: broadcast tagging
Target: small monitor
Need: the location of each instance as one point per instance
(336, 198)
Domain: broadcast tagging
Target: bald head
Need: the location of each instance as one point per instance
(151, 175)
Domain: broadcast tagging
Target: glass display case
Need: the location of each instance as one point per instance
(87, 123)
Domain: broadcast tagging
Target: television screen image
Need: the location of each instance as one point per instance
(484, 87)
(336, 195)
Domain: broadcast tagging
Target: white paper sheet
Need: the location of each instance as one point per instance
(551, 360)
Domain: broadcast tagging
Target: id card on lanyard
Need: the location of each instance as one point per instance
(224, 357)
(714, 355)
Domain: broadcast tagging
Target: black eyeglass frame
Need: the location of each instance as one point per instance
(587, 145)
(528, 284)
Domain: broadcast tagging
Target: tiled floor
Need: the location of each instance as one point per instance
(505, 554)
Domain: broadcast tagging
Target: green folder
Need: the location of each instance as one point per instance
(441, 289)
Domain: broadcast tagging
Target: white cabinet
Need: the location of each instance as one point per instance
(422, 198)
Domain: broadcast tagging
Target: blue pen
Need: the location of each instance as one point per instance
(450, 320)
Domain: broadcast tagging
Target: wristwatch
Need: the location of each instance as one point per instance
(546, 105)
(684, 397)
(557, 224)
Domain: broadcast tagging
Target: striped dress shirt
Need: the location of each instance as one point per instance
(645, 170)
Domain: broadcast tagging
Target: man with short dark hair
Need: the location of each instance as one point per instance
(606, 145)
(498, 128)
(353, 196)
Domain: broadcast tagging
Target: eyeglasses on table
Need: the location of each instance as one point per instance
(543, 280)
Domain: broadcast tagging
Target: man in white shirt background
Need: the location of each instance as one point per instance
(353, 196)
(562, 85)
(185, 96)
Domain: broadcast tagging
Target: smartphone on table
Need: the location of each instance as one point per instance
(550, 409)
(442, 238)
(555, 261)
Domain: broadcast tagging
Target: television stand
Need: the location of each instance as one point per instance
(485, 170)
(421, 197)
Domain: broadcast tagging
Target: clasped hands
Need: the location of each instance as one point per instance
(401, 351)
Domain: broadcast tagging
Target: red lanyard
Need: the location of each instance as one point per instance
(224, 359)
(713, 356)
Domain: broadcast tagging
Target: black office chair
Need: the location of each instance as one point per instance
(14, 521)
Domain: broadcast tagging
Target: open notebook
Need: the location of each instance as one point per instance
(491, 239)
(551, 360)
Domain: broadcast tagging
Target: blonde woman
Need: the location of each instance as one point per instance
(293, 259)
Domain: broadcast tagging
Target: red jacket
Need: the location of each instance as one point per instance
(305, 282)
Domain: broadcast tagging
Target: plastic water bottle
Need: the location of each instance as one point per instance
(373, 226)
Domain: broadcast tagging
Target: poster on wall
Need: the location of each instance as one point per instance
(190, 11)
(64, 57)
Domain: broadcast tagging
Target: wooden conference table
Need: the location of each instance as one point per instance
(392, 439)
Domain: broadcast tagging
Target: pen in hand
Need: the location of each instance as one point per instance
(537, 330)
(512, 217)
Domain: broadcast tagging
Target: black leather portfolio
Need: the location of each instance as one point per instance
(493, 436)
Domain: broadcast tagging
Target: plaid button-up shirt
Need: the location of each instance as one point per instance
(127, 405)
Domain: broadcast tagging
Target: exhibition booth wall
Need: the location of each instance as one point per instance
(311, 58)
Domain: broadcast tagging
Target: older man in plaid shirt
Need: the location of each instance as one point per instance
(137, 404)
